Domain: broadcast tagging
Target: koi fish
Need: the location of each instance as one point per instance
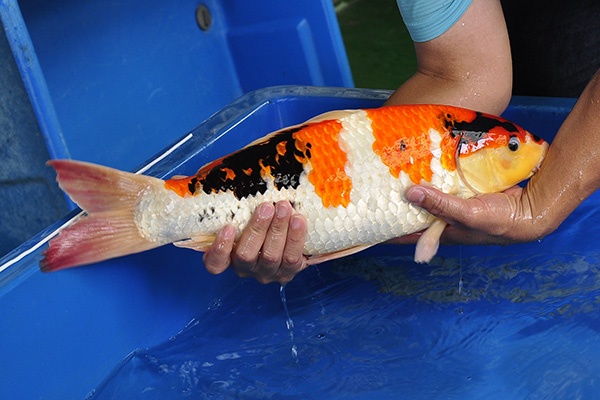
(345, 171)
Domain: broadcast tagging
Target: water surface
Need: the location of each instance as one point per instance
(383, 327)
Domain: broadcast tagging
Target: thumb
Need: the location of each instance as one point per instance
(447, 207)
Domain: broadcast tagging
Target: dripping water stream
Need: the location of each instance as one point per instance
(460, 279)
(288, 322)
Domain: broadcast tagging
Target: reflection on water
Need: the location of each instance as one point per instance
(383, 327)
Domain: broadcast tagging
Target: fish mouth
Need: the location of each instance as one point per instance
(538, 166)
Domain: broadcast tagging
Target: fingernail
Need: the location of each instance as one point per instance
(266, 210)
(228, 232)
(282, 210)
(415, 195)
(296, 222)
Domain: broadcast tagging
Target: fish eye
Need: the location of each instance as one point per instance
(514, 143)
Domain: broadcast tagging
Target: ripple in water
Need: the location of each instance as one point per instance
(383, 327)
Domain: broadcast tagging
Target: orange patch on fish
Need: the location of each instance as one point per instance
(179, 186)
(265, 170)
(402, 140)
(281, 148)
(320, 143)
(229, 173)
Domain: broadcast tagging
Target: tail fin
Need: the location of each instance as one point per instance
(109, 230)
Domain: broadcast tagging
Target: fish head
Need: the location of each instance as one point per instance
(494, 154)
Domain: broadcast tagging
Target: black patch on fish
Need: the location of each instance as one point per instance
(192, 186)
(248, 163)
(204, 214)
(473, 131)
(482, 124)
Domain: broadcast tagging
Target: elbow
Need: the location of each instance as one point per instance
(503, 94)
(496, 90)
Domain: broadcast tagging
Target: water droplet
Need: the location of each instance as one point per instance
(216, 303)
(289, 323)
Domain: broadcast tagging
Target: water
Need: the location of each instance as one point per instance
(518, 327)
(289, 323)
(460, 279)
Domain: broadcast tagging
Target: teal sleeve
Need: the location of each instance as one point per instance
(428, 19)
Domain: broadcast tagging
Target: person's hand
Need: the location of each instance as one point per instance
(269, 248)
(497, 218)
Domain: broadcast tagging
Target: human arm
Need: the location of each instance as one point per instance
(468, 66)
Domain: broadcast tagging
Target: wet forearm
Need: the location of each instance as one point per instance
(571, 171)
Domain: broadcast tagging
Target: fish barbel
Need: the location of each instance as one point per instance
(345, 171)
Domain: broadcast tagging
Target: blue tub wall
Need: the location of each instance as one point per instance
(66, 331)
(128, 78)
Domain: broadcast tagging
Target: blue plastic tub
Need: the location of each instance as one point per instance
(114, 82)
(495, 322)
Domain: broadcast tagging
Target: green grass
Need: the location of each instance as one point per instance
(379, 48)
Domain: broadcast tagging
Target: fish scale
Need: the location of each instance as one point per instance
(345, 171)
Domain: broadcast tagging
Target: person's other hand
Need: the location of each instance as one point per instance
(269, 248)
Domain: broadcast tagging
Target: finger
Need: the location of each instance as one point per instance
(274, 244)
(293, 260)
(251, 240)
(217, 258)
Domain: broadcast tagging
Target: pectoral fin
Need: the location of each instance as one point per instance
(429, 242)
